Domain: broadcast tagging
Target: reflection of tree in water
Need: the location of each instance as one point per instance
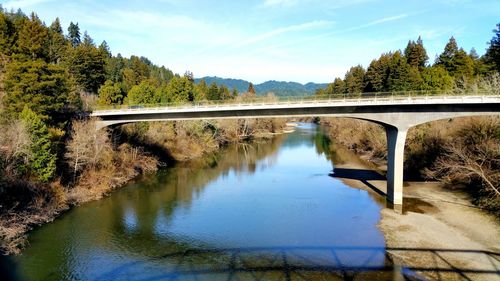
(176, 187)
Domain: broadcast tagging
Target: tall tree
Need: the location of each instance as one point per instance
(33, 38)
(40, 86)
(354, 79)
(415, 54)
(42, 162)
(456, 61)
(492, 55)
(251, 89)
(74, 34)
(110, 94)
(87, 66)
(213, 92)
(180, 89)
(144, 93)
(57, 43)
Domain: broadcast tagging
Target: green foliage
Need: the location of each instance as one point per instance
(57, 43)
(7, 34)
(33, 39)
(456, 61)
(180, 89)
(144, 93)
(40, 86)
(354, 79)
(110, 93)
(415, 54)
(492, 56)
(436, 78)
(213, 92)
(74, 34)
(87, 66)
(42, 163)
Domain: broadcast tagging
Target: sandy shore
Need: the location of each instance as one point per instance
(439, 235)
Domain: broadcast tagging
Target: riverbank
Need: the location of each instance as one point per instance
(440, 234)
(116, 167)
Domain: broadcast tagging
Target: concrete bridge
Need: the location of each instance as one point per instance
(395, 113)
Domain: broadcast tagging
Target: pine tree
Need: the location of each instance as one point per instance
(42, 163)
(456, 61)
(7, 31)
(213, 92)
(40, 86)
(110, 94)
(87, 66)
(338, 86)
(436, 78)
(144, 93)
(57, 43)
(354, 79)
(492, 56)
(415, 54)
(33, 38)
(180, 89)
(74, 34)
(251, 89)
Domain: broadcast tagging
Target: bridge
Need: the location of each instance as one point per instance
(395, 113)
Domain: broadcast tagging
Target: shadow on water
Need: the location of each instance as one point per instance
(298, 263)
(362, 175)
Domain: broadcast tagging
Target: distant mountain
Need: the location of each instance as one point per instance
(279, 88)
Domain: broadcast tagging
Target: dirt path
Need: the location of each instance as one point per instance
(440, 234)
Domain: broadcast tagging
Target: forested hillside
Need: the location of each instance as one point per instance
(278, 88)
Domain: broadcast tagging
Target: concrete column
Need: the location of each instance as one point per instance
(396, 138)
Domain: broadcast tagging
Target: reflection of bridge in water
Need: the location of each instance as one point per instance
(303, 263)
(395, 113)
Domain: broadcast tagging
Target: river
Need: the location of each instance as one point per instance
(263, 211)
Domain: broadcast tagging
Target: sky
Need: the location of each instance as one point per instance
(260, 40)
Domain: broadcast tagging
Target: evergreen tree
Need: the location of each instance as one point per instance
(354, 79)
(57, 43)
(456, 61)
(415, 54)
(110, 94)
(87, 40)
(492, 56)
(42, 163)
(377, 73)
(74, 34)
(338, 86)
(213, 92)
(87, 66)
(105, 50)
(251, 89)
(180, 90)
(144, 93)
(7, 32)
(436, 78)
(33, 38)
(42, 87)
(200, 91)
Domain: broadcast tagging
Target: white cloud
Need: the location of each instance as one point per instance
(282, 30)
(15, 4)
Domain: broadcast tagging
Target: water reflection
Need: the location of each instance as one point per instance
(266, 211)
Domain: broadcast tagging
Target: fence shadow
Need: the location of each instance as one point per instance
(306, 263)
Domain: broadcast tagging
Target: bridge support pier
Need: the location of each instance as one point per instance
(396, 138)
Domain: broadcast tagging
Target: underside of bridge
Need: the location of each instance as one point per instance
(396, 119)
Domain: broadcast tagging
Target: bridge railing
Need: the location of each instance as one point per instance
(340, 98)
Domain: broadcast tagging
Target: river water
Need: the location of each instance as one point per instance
(264, 211)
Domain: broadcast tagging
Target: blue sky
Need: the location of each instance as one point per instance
(289, 40)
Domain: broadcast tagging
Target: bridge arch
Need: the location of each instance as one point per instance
(395, 115)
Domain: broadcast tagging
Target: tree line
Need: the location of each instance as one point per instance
(47, 77)
(410, 70)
